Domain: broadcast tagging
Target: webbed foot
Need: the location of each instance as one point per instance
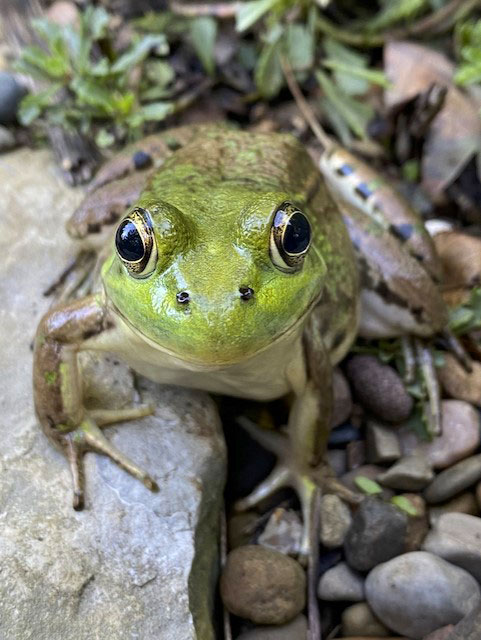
(89, 437)
(293, 473)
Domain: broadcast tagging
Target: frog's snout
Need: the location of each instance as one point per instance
(245, 294)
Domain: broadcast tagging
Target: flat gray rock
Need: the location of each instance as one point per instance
(378, 533)
(417, 593)
(411, 473)
(341, 583)
(452, 481)
(456, 537)
(133, 564)
(382, 443)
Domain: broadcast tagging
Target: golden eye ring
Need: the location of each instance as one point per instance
(290, 238)
(135, 243)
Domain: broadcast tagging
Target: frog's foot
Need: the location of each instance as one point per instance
(76, 279)
(89, 437)
(291, 472)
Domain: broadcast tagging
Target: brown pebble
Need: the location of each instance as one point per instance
(418, 525)
(379, 388)
(460, 436)
(262, 585)
(460, 256)
(459, 383)
(63, 13)
(342, 406)
(440, 634)
(464, 503)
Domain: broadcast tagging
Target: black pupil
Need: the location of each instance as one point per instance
(128, 241)
(297, 234)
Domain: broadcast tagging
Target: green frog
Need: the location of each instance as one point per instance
(230, 269)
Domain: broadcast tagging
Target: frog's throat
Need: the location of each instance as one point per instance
(201, 364)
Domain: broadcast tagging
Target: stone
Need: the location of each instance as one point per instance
(377, 533)
(355, 454)
(133, 563)
(343, 434)
(335, 521)
(63, 13)
(283, 532)
(359, 618)
(382, 443)
(370, 471)
(469, 628)
(464, 503)
(460, 255)
(336, 459)
(416, 593)
(460, 436)
(11, 92)
(456, 537)
(440, 634)
(295, 630)
(411, 473)
(379, 388)
(478, 495)
(459, 383)
(7, 139)
(418, 525)
(341, 583)
(263, 586)
(454, 480)
(241, 528)
(342, 406)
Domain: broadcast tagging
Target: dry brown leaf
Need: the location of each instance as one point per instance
(455, 133)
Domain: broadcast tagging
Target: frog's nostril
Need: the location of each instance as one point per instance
(183, 297)
(246, 293)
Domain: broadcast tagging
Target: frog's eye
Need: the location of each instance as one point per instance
(290, 238)
(135, 243)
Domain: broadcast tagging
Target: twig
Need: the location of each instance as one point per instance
(315, 631)
(303, 105)
(436, 22)
(222, 10)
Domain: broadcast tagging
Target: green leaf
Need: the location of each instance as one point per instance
(139, 51)
(249, 12)
(394, 11)
(203, 33)
(96, 20)
(268, 74)
(466, 317)
(367, 486)
(356, 114)
(299, 45)
(47, 30)
(104, 139)
(33, 104)
(405, 505)
(55, 66)
(153, 111)
(370, 75)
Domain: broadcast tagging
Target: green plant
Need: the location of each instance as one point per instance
(87, 83)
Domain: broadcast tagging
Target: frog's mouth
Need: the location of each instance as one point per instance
(201, 363)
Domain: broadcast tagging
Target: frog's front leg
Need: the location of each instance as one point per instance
(300, 453)
(62, 333)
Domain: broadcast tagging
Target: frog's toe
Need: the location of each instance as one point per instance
(89, 437)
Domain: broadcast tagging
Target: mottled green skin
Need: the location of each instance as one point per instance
(212, 205)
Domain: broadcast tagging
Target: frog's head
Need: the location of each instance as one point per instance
(214, 279)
